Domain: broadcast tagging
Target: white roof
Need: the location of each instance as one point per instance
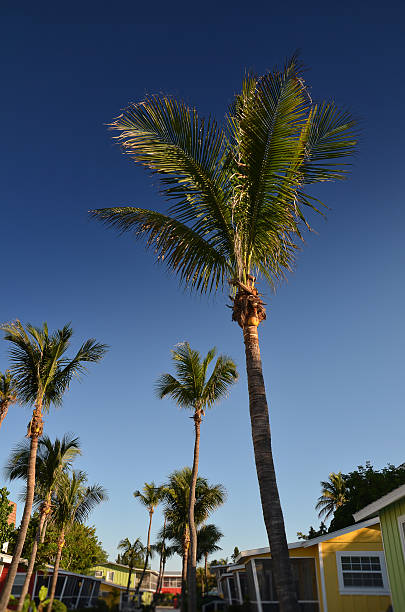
(306, 543)
(374, 508)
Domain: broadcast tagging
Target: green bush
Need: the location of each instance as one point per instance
(58, 606)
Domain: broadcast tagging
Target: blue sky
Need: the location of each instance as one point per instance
(333, 343)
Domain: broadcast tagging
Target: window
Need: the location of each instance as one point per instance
(18, 585)
(401, 526)
(110, 576)
(362, 572)
(98, 574)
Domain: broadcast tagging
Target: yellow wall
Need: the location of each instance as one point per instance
(110, 594)
(367, 539)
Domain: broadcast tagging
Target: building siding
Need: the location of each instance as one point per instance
(367, 539)
(364, 539)
(394, 553)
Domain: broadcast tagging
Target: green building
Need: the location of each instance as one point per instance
(114, 581)
(391, 510)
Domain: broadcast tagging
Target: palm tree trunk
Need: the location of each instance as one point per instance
(34, 432)
(271, 507)
(31, 563)
(192, 582)
(147, 553)
(61, 541)
(163, 571)
(160, 578)
(129, 583)
(206, 573)
(3, 411)
(186, 544)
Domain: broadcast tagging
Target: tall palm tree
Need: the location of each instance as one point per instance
(131, 553)
(208, 537)
(150, 497)
(8, 393)
(177, 500)
(73, 502)
(238, 195)
(194, 389)
(43, 373)
(333, 495)
(52, 459)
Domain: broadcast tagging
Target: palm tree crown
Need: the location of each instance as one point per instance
(150, 496)
(207, 540)
(74, 500)
(8, 393)
(192, 388)
(39, 363)
(131, 551)
(237, 192)
(333, 495)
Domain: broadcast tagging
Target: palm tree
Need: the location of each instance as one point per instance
(177, 500)
(150, 497)
(8, 393)
(165, 552)
(208, 537)
(333, 495)
(43, 373)
(74, 501)
(52, 459)
(238, 196)
(131, 553)
(194, 389)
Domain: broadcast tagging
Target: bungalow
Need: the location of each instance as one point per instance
(114, 582)
(342, 571)
(390, 509)
(74, 590)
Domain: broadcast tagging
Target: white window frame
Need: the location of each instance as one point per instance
(110, 576)
(356, 590)
(401, 527)
(98, 574)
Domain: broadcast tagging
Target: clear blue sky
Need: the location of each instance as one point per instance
(333, 343)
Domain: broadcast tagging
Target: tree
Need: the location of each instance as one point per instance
(312, 533)
(333, 495)
(43, 373)
(150, 497)
(6, 508)
(364, 486)
(165, 552)
(132, 552)
(8, 393)
(52, 459)
(177, 499)
(235, 554)
(207, 543)
(73, 502)
(196, 390)
(238, 198)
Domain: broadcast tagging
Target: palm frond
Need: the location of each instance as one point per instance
(194, 255)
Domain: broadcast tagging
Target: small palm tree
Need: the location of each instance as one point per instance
(165, 552)
(52, 459)
(195, 390)
(238, 198)
(131, 553)
(43, 373)
(150, 497)
(8, 393)
(208, 537)
(73, 502)
(177, 501)
(333, 495)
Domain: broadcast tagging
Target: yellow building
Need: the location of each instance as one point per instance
(343, 571)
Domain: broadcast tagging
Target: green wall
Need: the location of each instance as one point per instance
(120, 573)
(394, 553)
